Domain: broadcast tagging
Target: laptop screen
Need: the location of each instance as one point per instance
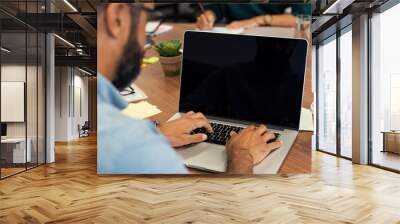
(246, 78)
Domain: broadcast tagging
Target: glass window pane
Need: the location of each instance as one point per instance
(385, 89)
(23, 86)
(327, 97)
(346, 94)
(41, 99)
(32, 87)
(14, 146)
(31, 98)
(314, 90)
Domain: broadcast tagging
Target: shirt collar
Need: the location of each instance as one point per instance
(107, 93)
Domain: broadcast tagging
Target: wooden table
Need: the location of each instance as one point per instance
(391, 141)
(164, 93)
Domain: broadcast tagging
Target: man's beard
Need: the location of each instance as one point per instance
(129, 66)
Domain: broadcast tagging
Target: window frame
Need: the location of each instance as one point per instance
(334, 37)
(27, 29)
(379, 10)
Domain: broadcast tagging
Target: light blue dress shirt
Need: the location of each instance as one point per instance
(126, 145)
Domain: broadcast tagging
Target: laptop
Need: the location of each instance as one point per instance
(239, 80)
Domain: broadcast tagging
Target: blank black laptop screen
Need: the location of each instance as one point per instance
(247, 78)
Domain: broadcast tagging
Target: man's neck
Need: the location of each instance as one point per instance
(105, 71)
(105, 61)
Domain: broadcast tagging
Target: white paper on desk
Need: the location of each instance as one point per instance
(141, 110)
(268, 31)
(137, 96)
(223, 30)
(306, 120)
(227, 30)
(151, 26)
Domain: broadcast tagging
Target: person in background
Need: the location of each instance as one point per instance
(133, 146)
(251, 15)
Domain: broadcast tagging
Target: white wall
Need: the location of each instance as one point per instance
(61, 103)
(16, 73)
(71, 102)
(80, 110)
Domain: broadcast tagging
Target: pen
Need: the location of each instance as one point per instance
(203, 11)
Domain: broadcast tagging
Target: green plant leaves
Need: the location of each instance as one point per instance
(169, 48)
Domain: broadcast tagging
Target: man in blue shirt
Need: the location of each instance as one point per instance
(132, 146)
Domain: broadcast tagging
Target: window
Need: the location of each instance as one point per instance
(346, 94)
(385, 89)
(327, 97)
(22, 79)
(333, 137)
(314, 90)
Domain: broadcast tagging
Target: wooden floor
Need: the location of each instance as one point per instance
(70, 191)
(387, 159)
(5, 172)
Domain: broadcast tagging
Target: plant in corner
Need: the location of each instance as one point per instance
(170, 56)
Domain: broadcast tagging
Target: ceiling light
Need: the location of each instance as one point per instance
(70, 5)
(65, 41)
(79, 51)
(5, 50)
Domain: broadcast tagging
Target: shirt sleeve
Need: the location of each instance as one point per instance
(130, 146)
(301, 9)
(217, 9)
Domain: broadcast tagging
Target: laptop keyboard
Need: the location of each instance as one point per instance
(222, 132)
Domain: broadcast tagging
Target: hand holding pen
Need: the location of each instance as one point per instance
(206, 20)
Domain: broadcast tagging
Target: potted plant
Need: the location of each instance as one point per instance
(170, 56)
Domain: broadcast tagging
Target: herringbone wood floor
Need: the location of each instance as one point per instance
(70, 191)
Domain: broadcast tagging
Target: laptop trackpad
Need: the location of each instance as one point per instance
(205, 156)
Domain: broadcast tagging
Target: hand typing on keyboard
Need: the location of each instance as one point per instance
(245, 147)
(249, 147)
(221, 133)
(179, 131)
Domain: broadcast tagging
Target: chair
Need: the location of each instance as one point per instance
(84, 130)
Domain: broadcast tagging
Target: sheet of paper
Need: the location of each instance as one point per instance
(306, 120)
(137, 96)
(272, 31)
(227, 30)
(141, 110)
(151, 26)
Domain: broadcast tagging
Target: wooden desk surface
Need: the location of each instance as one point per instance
(164, 93)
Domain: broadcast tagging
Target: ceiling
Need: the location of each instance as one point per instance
(76, 21)
(337, 14)
(72, 20)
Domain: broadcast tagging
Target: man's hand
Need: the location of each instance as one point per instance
(206, 21)
(249, 148)
(178, 131)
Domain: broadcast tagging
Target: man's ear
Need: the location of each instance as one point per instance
(115, 19)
